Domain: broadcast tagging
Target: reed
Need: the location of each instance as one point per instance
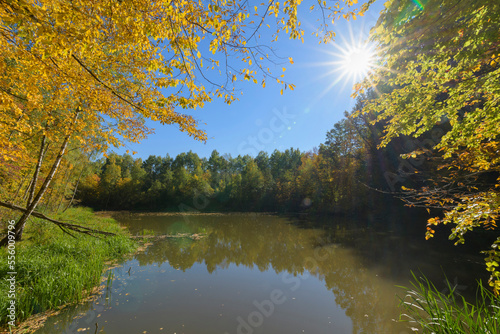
(430, 311)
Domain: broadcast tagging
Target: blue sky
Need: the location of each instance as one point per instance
(263, 119)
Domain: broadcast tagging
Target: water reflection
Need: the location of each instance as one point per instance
(332, 277)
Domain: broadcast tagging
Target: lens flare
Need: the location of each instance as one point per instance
(357, 61)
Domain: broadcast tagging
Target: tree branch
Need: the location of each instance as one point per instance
(64, 226)
(105, 85)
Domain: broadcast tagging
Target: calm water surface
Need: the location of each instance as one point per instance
(255, 273)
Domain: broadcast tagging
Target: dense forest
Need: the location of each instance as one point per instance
(347, 172)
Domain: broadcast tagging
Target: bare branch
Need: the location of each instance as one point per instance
(60, 224)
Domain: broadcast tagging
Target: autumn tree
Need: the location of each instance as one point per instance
(439, 68)
(93, 72)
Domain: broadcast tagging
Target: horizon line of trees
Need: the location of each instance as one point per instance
(340, 175)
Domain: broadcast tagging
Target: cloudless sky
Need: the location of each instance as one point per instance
(262, 119)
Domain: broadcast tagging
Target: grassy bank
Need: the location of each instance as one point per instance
(55, 269)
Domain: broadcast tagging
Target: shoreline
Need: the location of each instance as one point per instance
(47, 252)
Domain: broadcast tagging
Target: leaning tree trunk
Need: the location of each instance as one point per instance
(37, 172)
(26, 192)
(67, 176)
(53, 192)
(74, 191)
(28, 189)
(21, 186)
(19, 227)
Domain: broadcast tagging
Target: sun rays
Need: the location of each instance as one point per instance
(351, 62)
(356, 61)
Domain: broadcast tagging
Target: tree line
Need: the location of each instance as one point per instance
(342, 174)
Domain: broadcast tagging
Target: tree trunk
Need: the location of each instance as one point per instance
(26, 192)
(28, 189)
(19, 227)
(37, 172)
(19, 188)
(53, 191)
(74, 191)
(67, 176)
(48, 199)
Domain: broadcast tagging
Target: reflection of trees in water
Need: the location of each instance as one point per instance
(345, 256)
(271, 243)
(394, 245)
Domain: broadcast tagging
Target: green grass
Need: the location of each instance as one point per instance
(54, 269)
(430, 311)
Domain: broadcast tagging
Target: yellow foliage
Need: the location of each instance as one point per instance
(120, 63)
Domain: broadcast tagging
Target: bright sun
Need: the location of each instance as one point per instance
(350, 63)
(357, 61)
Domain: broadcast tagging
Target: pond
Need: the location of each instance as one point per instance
(258, 273)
